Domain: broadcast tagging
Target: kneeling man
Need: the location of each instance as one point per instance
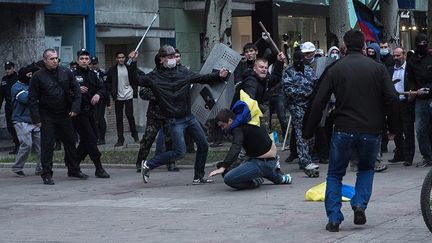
(263, 161)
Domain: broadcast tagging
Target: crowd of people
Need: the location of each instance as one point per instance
(344, 106)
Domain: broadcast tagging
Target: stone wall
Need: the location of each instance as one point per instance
(22, 41)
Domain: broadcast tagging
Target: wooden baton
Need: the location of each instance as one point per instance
(268, 35)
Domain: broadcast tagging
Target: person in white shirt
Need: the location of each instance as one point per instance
(122, 84)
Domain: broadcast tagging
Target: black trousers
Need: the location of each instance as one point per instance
(10, 127)
(405, 141)
(100, 121)
(127, 105)
(62, 126)
(85, 126)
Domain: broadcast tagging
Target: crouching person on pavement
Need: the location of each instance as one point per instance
(263, 160)
(28, 133)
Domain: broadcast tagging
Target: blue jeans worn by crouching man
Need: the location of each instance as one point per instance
(342, 146)
(249, 174)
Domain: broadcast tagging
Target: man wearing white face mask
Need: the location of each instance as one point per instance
(386, 56)
(171, 86)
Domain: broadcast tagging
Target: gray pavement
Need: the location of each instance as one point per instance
(170, 209)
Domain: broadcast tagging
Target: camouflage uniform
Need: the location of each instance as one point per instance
(155, 121)
(298, 87)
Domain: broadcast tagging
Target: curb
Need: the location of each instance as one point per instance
(115, 166)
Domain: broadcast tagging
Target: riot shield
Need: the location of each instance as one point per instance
(208, 100)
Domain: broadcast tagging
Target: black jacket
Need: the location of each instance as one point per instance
(388, 60)
(172, 88)
(243, 70)
(102, 77)
(111, 82)
(53, 93)
(88, 78)
(5, 91)
(419, 71)
(364, 95)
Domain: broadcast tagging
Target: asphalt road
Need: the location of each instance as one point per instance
(170, 209)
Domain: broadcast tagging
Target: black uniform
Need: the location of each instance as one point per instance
(100, 108)
(52, 95)
(84, 122)
(5, 94)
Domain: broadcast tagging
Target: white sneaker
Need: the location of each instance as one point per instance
(286, 179)
(145, 171)
(311, 166)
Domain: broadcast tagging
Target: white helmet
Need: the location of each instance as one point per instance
(307, 47)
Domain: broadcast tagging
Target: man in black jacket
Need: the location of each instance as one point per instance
(364, 94)
(92, 92)
(250, 52)
(419, 73)
(54, 98)
(257, 82)
(5, 94)
(171, 86)
(404, 140)
(121, 82)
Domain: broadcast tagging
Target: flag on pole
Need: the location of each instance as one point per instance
(368, 23)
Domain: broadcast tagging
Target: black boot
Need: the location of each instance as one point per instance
(172, 167)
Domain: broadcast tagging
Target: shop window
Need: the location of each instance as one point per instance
(66, 35)
(301, 29)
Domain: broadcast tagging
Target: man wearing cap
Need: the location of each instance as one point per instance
(92, 91)
(5, 94)
(307, 59)
(309, 51)
(103, 103)
(299, 82)
(28, 133)
(171, 86)
(54, 98)
(122, 83)
(419, 74)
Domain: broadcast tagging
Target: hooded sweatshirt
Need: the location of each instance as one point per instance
(375, 47)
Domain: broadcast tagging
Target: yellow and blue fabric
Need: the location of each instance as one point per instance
(246, 110)
(317, 193)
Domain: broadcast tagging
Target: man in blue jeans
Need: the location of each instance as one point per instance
(171, 86)
(364, 95)
(263, 161)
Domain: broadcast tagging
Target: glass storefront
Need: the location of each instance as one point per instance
(302, 29)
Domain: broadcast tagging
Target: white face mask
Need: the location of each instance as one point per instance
(171, 63)
(384, 52)
(334, 56)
